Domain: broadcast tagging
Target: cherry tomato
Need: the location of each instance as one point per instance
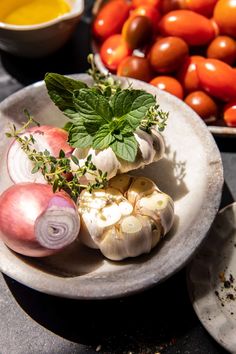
(225, 16)
(222, 48)
(202, 104)
(230, 114)
(135, 67)
(169, 84)
(113, 51)
(195, 29)
(110, 19)
(151, 12)
(137, 3)
(187, 74)
(217, 78)
(167, 53)
(137, 31)
(203, 7)
(170, 5)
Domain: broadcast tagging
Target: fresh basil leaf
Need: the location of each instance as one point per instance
(94, 108)
(79, 137)
(132, 106)
(103, 138)
(60, 89)
(126, 150)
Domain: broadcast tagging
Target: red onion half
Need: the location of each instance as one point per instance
(36, 222)
(46, 137)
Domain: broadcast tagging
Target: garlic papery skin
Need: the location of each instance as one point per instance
(150, 148)
(126, 224)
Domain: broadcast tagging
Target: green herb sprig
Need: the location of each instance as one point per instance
(56, 169)
(104, 115)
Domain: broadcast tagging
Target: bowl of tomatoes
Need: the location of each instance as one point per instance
(184, 47)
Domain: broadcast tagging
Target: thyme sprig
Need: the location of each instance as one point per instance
(105, 83)
(154, 117)
(56, 170)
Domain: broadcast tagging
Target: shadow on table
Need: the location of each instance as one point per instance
(154, 317)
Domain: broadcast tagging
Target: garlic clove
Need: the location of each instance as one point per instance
(140, 187)
(95, 200)
(121, 182)
(90, 232)
(125, 207)
(158, 144)
(158, 206)
(145, 142)
(108, 216)
(131, 238)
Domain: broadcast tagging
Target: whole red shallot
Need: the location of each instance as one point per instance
(36, 222)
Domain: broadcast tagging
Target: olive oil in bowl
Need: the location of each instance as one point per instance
(32, 12)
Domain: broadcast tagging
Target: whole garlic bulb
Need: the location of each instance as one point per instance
(126, 219)
(151, 148)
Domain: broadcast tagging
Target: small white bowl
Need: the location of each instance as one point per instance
(41, 39)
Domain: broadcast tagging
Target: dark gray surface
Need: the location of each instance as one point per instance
(159, 320)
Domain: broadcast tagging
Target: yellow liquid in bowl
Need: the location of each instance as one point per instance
(32, 12)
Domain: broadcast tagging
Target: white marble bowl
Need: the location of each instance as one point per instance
(191, 172)
(40, 39)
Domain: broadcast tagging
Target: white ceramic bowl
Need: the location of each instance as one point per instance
(41, 39)
(190, 172)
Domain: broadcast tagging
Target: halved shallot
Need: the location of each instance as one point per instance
(36, 222)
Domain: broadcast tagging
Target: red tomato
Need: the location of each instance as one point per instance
(137, 3)
(217, 78)
(202, 104)
(203, 7)
(188, 73)
(137, 31)
(167, 54)
(225, 16)
(149, 11)
(222, 48)
(170, 5)
(195, 29)
(135, 67)
(113, 51)
(169, 84)
(230, 114)
(110, 19)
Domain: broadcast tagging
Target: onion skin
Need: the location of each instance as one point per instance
(48, 138)
(25, 208)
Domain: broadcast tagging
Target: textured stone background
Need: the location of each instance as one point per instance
(160, 320)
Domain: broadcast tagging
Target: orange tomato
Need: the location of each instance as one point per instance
(110, 19)
(167, 54)
(203, 7)
(135, 67)
(202, 104)
(222, 48)
(169, 84)
(151, 12)
(217, 78)
(187, 74)
(137, 3)
(225, 16)
(113, 51)
(194, 28)
(230, 114)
